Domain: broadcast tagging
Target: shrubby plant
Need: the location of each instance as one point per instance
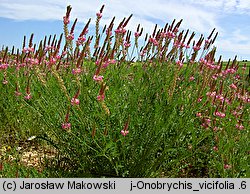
(114, 108)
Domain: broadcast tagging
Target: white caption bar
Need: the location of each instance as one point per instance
(133, 185)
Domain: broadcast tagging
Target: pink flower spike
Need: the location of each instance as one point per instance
(151, 40)
(4, 66)
(99, 15)
(64, 53)
(191, 78)
(215, 148)
(105, 64)
(179, 63)
(76, 71)
(198, 114)
(66, 125)
(155, 42)
(123, 30)
(220, 114)
(213, 94)
(112, 61)
(117, 31)
(177, 44)
(70, 36)
(30, 49)
(199, 99)
(196, 48)
(127, 44)
(170, 35)
(163, 35)
(80, 40)
(227, 166)
(101, 97)
(97, 77)
(239, 126)
(124, 132)
(237, 77)
(17, 93)
(215, 129)
(75, 101)
(215, 76)
(97, 62)
(208, 121)
(137, 34)
(5, 82)
(108, 32)
(65, 20)
(204, 125)
(233, 86)
(28, 96)
(207, 41)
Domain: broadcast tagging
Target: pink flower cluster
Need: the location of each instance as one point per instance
(52, 61)
(219, 114)
(29, 49)
(70, 36)
(211, 94)
(137, 34)
(191, 78)
(215, 148)
(98, 78)
(120, 30)
(198, 114)
(127, 44)
(177, 44)
(237, 77)
(206, 122)
(75, 101)
(199, 99)
(76, 71)
(28, 96)
(80, 40)
(5, 82)
(101, 97)
(108, 62)
(170, 35)
(179, 63)
(227, 166)
(196, 48)
(17, 93)
(233, 86)
(124, 132)
(209, 64)
(32, 61)
(220, 97)
(4, 66)
(154, 41)
(143, 52)
(99, 15)
(20, 65)
(225, 72)
(66, 20)
(108, 32)
(66, 125)
(47, 48)
(239, 126)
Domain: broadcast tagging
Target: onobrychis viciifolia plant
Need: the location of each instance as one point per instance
(152, 94)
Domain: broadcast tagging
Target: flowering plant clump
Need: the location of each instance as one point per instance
(166, 108)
